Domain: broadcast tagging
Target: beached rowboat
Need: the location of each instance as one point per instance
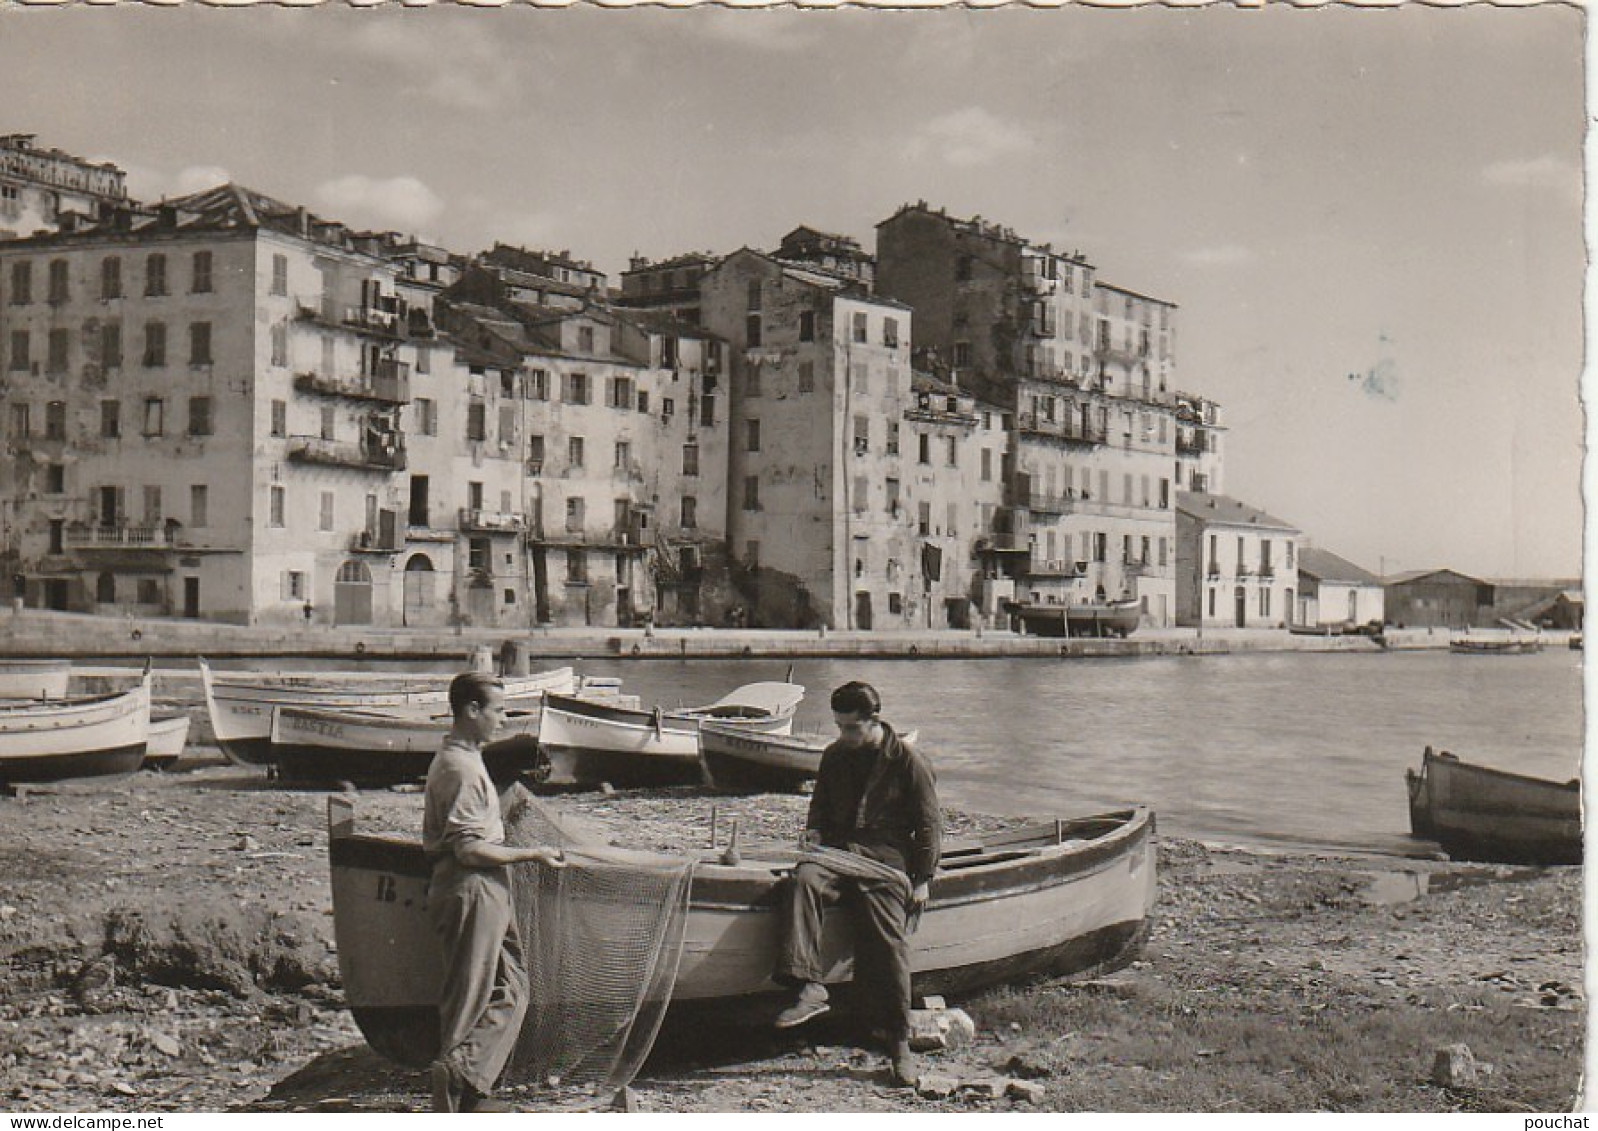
(168, 735)
(34, 679)
(589, 743)
(1479, 813)
(75, 738)
(381, 747)
(241, 705)
(1054, 898)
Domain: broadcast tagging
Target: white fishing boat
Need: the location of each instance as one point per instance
(587, 742)
(241, 704)
(371, 747)
(75, 738)
(169, 734)
(1050, 899)
(34, 679)
(738, 761)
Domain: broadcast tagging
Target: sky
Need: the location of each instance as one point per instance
(1371, 220)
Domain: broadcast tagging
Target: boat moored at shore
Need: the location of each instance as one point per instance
(1479, 813)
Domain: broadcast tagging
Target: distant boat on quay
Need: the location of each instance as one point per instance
(1101, 618)
(1508, 645)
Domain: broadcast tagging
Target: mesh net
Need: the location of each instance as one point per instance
(603, 938)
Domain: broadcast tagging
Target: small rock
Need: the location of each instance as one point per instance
(936, 1087)
(1454, 1066)
(607, 789)
(985, 1087)
(125, 1088)
(932, 1030)
(932, 1001)
(1027, 1091)
(247, 843)
(166, 1045)
(1027, 1064)
(6, 911)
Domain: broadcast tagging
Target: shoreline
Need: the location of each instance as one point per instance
(40, 634)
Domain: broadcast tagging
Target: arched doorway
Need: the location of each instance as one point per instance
(352, 594)
(420, 593)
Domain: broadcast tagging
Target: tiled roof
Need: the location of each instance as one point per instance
(1224, 509)
(1327, 566)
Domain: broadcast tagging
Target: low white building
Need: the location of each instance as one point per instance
(1236, 566)
(1334, 591)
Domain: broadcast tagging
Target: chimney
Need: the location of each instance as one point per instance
(302, 221)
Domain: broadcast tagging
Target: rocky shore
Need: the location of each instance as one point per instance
(166, 945)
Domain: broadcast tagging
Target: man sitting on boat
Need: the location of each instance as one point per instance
(872, 841)
(484, 996)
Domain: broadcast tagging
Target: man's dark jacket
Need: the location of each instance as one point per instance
(881, 802)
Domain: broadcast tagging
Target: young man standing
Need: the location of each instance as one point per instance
(469, 901)
(872, 838)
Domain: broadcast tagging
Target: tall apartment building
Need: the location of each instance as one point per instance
(854, 486)
(201, 410)
(42, 190)
(1199, 432)
(1084, 370)
(610, 426)
(670, 285)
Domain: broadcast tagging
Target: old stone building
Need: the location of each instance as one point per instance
(670, 285)
(202, 410)
(1084, 371)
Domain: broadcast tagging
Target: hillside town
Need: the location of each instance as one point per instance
(227, 408)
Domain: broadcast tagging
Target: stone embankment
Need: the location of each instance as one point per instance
(82, 637)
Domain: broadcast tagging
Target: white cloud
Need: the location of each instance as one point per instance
(968, 137)
(1546, 171)
(1221, 255)
(148, 183)
(402, 203)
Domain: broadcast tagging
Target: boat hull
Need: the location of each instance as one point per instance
(1041, 909)
(167, 740)
(75, 738)
(588, 743)
(736, 761)
(1080, 620)
(1479, 813)
(331, 745)
(241, 712)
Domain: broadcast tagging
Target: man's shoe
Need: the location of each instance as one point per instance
(811, 1003)
(903, 1065)
(486, 1104)
(447, 1089)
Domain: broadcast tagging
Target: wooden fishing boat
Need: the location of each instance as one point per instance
(1479, 813)
(1049, 899)
(75, 738)
(34, 679)
(169, 733)
(374, 747)
(737, 761)
(1115, 618)
(1495, 645)
(241, 705)
(587, 743)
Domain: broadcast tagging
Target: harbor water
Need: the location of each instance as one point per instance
(1285, 749)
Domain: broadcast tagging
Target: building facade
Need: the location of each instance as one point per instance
(42, 190)
(1335, 591)
(1083, 371)
(1238, 566)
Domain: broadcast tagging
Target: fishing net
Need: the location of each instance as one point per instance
(603, 938)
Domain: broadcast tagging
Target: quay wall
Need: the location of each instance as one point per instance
(37, 633)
